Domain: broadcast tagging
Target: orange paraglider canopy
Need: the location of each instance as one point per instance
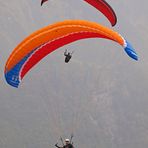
(44, 41)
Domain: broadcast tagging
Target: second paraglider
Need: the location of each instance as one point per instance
(44, 41)
(103, 7)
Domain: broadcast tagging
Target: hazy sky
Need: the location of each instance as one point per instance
(102, 90)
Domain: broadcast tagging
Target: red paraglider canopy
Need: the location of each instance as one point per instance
(103, 7)
(43, 2)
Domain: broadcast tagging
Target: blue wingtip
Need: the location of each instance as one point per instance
(13, 82)
(130, 51)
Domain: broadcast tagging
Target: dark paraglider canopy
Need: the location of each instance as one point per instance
(43, 2)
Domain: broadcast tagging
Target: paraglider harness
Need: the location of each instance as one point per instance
(69, 145)
(67, 56)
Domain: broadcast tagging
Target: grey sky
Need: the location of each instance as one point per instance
(101, 95)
